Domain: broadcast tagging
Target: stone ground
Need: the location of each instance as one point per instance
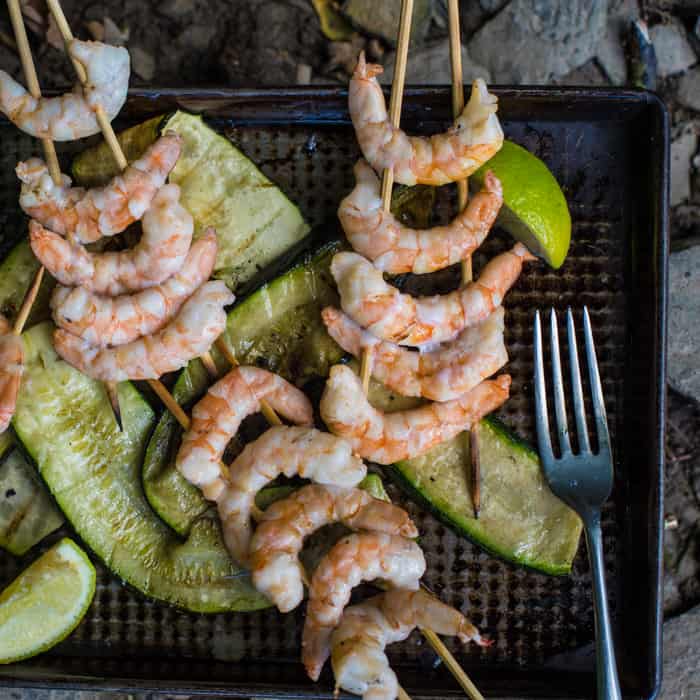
(278, 42)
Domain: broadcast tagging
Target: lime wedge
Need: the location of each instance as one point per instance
(45, 603)
(534, 207)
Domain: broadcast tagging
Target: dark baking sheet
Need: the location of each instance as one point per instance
(609, 150)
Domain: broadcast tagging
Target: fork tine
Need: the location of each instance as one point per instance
(601, 420)
(576, 388)
(541, 416)
(558, 388)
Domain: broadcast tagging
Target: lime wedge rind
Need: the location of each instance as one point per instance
(46, 602)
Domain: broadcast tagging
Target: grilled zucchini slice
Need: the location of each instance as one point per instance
(64, 421)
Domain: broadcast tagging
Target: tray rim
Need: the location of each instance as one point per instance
(566, 97)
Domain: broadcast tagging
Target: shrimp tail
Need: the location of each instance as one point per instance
(11, 368)
(482, 104)
(68, 262)
(366, 71)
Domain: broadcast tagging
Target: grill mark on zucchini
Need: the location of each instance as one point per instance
(27, 512)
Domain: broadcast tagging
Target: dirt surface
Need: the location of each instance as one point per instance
(190, 42)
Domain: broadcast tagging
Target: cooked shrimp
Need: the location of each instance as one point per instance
(72, 115)
(218, 415)
(189, 334)
(441, 374)
(474, 137)
(103, 321)
(11, 368)
(296, 451)
(86, 216)
(401, 318)
(403, 434)
(167, 234)
(360, 664)
(358, 557)
(394, 248)
(279, 537)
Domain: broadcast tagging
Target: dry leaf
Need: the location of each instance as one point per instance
(343, 54)
(333, 24)
(96, 29)
(53, 35)
(142, 63)
(113, 34)
(34, 12)
(375, 50)
(8, 41)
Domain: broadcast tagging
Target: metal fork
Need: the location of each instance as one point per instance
(583, 480)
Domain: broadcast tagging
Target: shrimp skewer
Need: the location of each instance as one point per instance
(200, 321)
(474, 137)
(358, 557)
(395, 248)
(103, 321)
(73, 115)
(440, 375)
(11, 368)
(400, 318)
(218, 415)
(167, 234)
(275, 547)
(87, 216)
(360, 664)
(292, 451)
(404, 434)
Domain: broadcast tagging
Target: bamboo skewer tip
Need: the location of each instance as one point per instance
(113, 395)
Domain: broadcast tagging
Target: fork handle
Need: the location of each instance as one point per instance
(606, 667)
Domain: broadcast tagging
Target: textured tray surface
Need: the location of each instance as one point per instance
(533, 618)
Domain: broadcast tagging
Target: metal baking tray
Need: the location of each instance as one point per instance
(609, 150)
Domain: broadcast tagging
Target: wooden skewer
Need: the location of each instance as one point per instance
(458, 106)
(32, 80)
(28, 302)
(402, 694)
(462, 194)
(209, 365)
(102, 119)
(366, 362)
(115, 147)
(395, 116)
(267, 410)
(388, 173)
(452, 664)
(67, 35)
(397, 88)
